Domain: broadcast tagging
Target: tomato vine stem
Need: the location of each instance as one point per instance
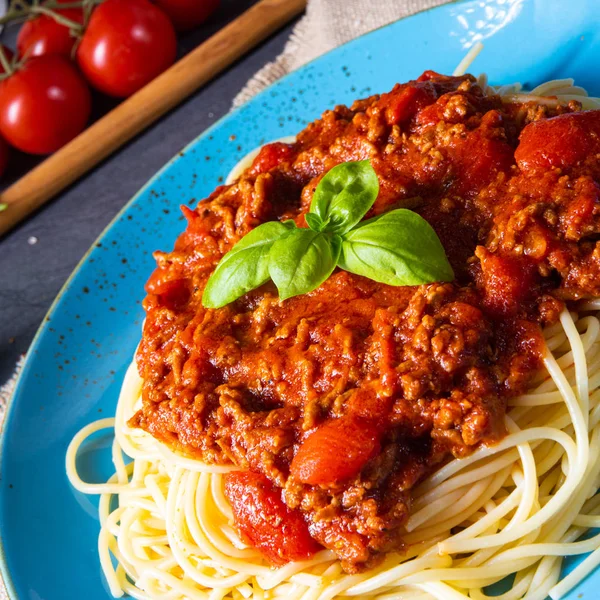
(72, 25)
(20, 11)
(6, 65)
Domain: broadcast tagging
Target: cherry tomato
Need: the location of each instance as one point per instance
(127, 43)
(8, 53)
(44, 35)
(43, 105)
(187, 14)
(4, 154)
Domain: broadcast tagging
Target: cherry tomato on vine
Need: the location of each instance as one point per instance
(43, 105)
(4, 154)
(42, 34)
(187, 14)
(127, 43)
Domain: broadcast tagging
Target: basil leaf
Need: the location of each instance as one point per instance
(314, 221)
(245, 267)
(397, 248)
(302, 260)
(344, 196)
(3, 206)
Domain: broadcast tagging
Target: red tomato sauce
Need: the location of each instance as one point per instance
(336, 403)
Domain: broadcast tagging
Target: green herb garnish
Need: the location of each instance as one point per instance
(397, 248)
(246, 266)
(3, 206)
(302, 260)
(344, 196)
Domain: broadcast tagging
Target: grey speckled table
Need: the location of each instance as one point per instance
(32, 274)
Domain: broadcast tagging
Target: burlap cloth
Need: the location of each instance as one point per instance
(326, 25)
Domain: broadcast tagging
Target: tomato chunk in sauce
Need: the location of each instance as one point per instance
(336, 451)
(265, 521)
(270, 156)
(562, 141)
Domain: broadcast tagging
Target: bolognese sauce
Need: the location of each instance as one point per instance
(336, 403)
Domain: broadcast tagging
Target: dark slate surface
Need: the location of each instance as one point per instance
(31, 274)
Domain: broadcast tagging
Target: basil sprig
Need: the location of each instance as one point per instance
(397, 248)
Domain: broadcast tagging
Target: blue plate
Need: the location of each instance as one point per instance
(75, 366)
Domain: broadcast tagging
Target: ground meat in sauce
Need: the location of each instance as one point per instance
(345, 397)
